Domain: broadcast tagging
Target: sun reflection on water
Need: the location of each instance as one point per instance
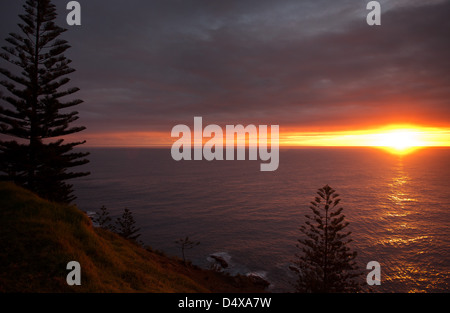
(398, 194)
(403, 234)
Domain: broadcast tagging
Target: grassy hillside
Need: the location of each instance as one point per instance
(38, 238)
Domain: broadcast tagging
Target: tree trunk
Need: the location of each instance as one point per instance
(34, 103)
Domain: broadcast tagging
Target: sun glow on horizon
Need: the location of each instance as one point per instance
(397, 139)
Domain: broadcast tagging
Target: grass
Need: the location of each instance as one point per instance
(38, 238)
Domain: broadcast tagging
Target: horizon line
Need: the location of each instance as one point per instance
(280, 147)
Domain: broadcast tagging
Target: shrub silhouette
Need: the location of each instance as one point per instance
(124, 225)
(185, 244)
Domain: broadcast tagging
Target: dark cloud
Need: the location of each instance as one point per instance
(149, 65)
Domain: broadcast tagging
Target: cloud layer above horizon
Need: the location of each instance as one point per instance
(145, 66)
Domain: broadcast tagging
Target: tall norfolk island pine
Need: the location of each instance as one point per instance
(326, 263)
(33, 107)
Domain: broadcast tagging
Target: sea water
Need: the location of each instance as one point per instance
(398, 208)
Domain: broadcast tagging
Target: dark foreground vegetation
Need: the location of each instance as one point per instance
(38, 238)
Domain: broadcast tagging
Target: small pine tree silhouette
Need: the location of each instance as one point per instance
(102, 218)
(326, 263)
(125, 226)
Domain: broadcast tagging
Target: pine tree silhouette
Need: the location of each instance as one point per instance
(33, 108)
(126, 226)
(102, 219)
(326, 263)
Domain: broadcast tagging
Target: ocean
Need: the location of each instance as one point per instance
(398, 208)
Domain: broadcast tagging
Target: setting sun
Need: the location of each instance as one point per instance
(399, 141)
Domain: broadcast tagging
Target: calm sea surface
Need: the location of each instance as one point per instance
(398, 208)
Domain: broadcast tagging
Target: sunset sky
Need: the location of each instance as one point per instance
(313, 67)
